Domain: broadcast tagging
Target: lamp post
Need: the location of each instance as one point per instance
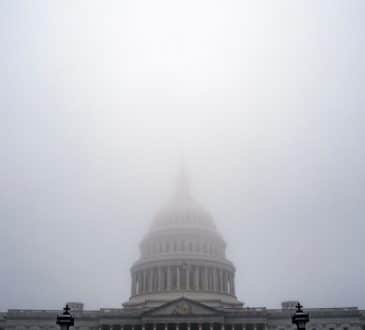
(300, 318)
(65, 320)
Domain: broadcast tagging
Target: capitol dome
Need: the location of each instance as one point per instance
(183, 211)
(183, 254)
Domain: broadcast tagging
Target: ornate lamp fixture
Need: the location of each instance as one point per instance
(300, 318)
(65, 320)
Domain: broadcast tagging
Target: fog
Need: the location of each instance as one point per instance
(100, 101)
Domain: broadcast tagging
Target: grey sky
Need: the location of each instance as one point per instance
(98, 101)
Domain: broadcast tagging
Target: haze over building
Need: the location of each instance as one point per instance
(183, 280)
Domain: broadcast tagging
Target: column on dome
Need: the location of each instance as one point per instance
(233, 285)
(205, 278)
(156, 279)
(201, 277)
(183, 272)
(168, 278)
(210, 279)
(215, 287)
(173, 277)
(224, 282)
(165, 278)
(144, 281)
(147, 277)
(187, 274)
(159, 279)
(153, 279)
(178, 278)
(150, 279)
(227, 282)
(141, 287)
(196, 278)
(138, 283)
(133, 284)
(221, 280)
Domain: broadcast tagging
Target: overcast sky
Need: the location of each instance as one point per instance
(99, 100)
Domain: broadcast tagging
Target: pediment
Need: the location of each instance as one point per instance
(182, 307)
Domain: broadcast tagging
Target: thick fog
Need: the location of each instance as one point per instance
(99, 102)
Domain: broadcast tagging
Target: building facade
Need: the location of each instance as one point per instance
(184, 281)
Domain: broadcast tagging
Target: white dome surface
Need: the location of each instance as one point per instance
(183, 254)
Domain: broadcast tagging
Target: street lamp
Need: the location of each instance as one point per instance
(65, 320)
(300, 318)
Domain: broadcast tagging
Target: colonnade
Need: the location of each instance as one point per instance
(211, 247)
(182, 277)
(185, 326)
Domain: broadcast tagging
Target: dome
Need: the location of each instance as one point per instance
(183, 254)
(183, 212)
